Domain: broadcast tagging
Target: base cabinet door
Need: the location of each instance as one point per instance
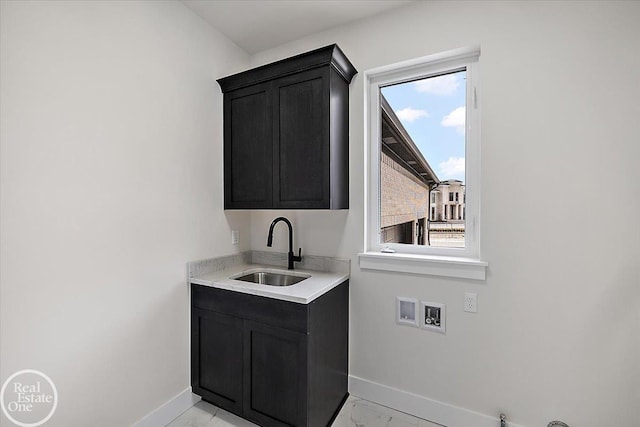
(216, 362)
(275, 380)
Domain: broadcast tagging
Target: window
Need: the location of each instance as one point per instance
(419, 155)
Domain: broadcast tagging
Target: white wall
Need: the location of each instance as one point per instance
(110, 182)
(557, 333)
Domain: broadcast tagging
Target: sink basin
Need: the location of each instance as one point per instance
(271, 278)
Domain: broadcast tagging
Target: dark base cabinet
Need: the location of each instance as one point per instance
(273, 362)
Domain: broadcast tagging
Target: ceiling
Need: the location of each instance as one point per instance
(257, 25)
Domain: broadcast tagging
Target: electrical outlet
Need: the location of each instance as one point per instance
(471, 302)
(235, 237)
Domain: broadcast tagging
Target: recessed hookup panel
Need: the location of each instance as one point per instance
(433, 316)
(407, 311)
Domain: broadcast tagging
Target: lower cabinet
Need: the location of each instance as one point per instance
(273, 362)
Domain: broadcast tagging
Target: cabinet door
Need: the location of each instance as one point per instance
(275, 381)
(248, 148)
(216, 358)
(301, 135)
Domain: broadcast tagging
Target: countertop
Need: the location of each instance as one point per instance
(303, 292)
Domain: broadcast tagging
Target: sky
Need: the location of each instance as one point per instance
(432, 111)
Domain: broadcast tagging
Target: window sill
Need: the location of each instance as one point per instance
(442, 266)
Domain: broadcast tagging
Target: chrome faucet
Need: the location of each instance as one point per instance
(292, 257)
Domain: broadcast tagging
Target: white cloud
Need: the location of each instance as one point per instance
(455, 119)
(411, 114)
(452, 168)
(441, 85)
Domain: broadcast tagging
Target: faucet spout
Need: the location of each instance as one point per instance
(291, 257)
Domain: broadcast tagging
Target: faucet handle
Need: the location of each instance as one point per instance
(299, 257)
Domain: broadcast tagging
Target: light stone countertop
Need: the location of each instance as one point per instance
(319, 282)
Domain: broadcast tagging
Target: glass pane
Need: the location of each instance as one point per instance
(422, 162)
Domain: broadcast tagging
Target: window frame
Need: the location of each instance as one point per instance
(407, 71)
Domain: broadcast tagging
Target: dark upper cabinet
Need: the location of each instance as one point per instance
(286, 133)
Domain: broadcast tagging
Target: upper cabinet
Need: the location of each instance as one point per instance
(286, 133)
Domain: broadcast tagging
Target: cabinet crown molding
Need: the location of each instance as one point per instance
(328, 55)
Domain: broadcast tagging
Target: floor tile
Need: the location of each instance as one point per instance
(227, 419)
(362, 413)
(355, 412)
(199, 415)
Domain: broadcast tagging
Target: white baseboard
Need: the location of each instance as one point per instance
(169, 410)
(420, 406)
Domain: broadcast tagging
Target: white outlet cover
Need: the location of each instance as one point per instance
(471, 302)
(407, 311)
(432, 313)
(235, 237)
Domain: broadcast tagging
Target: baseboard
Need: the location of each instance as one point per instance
(166, 413)
(420, 406)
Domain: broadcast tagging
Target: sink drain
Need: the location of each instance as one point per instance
(557, 424)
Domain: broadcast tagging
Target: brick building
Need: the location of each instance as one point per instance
(405, 181)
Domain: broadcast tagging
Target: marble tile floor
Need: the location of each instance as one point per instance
(356, 412)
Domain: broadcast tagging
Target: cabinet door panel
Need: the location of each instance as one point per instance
(275, 378)
(216, 358)
(248, 148)
(301, 136)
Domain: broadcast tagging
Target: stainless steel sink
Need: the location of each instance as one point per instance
(271, 278)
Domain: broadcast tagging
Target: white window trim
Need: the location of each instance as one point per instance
(448, 262)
